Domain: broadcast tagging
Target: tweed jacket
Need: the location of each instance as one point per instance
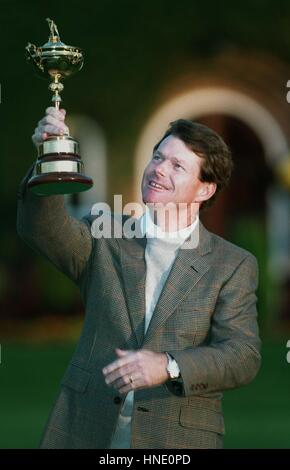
(205, 318)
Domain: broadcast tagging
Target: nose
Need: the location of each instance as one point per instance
(161, 169)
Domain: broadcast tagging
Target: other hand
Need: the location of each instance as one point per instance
(135, 370)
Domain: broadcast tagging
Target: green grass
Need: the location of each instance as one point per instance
(30, 377)
(256, 416)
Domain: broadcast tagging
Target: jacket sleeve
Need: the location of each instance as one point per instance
(43, 223)
(231, 356)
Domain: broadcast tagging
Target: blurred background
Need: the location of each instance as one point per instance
(222, 63)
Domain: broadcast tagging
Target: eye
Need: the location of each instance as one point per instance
(156, 157)
(178, 167)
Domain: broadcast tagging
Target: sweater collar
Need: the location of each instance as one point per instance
(154, 232)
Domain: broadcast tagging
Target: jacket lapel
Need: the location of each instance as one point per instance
(188, 268)
(134, 276)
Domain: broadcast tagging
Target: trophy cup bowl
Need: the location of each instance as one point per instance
(59, 168)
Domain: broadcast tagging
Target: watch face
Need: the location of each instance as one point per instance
(172, 367)
(175, 374)
(173, 370)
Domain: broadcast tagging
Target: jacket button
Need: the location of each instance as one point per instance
(117, 400)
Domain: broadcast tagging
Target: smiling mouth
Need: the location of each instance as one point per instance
(154, 185)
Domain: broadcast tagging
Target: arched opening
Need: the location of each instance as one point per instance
(251, 178)
(239, 213)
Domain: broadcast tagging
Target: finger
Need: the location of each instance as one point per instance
(57, 113)
(136, 384)
(122, 382)
(119, 373)
(48, 119)
(50, 129)
(126, 389)
(122, 352)
(129, 358)
(39, 137)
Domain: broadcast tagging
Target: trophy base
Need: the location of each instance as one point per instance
(59, 183)
(59, 169)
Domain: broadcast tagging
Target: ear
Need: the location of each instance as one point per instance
(205, 192)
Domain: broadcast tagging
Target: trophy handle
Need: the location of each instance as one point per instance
(34, 54)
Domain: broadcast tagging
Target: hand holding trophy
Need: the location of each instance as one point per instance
(58, 169)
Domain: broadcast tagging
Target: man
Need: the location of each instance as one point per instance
(167, 327)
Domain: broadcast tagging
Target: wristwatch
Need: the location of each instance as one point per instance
(172, 367)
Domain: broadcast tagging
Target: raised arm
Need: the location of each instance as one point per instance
(43, 222)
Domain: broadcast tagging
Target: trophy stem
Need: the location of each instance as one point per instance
(56, 87)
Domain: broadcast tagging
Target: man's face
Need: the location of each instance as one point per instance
(172, 175)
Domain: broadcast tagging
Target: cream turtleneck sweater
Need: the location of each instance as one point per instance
(160, 253)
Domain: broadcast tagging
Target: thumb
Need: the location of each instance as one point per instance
(121, 352)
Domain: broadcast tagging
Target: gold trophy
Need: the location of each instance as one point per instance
(58, 169)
